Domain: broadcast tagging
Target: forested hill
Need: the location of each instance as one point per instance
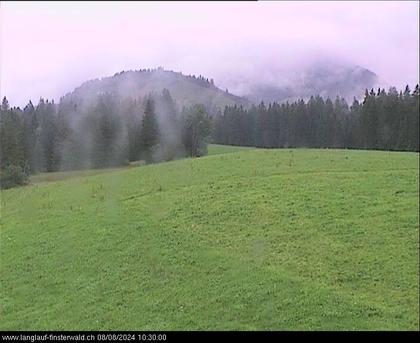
(186, 90)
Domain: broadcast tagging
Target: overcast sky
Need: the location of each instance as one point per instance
(48, 49)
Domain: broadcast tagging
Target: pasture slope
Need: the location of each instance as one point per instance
(248, 240)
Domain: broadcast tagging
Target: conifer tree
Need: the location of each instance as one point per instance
(149, 131)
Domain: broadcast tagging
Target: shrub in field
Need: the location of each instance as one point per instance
(13, 175)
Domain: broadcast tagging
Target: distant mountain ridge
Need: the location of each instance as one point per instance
(324, 78)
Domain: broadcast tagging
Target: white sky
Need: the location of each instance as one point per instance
(49, 48)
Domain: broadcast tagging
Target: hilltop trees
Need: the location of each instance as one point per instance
(48, 137)
(149, 131)
(30, 133)
(169, 122)
(105, 128)
(11, 134)
(414, 129)
(384, 120)
(132, 111)
(13, 167)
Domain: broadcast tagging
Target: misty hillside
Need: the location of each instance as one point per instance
(266, 83)
(324, 78)
(185, 90)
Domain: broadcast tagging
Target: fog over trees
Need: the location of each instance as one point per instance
(108, 130)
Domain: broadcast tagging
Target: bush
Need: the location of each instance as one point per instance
(13, 175)
(197, 129)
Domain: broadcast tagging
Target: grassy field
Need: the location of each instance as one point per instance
(216, 149)
(63, 175)
(248, 240)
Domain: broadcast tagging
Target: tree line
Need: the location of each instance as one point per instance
(383, 120)
(109, 131)
(105, 132)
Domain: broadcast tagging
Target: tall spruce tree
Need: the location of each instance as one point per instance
(149, 131)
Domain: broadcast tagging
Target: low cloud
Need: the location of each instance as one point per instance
(47, 49)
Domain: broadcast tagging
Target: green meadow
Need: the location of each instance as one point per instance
(242, 239)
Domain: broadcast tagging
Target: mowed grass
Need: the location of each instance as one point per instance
(251, 240)
(216, 149)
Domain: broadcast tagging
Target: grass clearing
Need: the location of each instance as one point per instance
(291, 239)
